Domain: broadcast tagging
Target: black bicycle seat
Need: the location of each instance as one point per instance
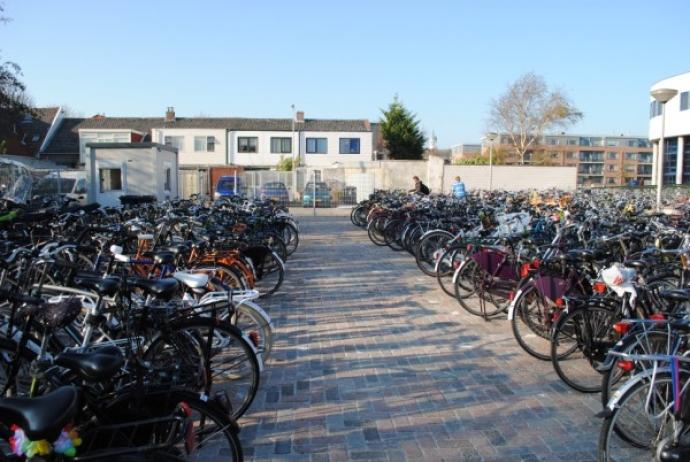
(163, 288)
(164, 258)
(102, 286)
(94, 366)
(41, 418)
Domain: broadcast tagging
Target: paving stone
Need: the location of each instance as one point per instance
(372, 361)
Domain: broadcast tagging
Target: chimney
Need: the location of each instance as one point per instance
(170, 115)
(299, 117)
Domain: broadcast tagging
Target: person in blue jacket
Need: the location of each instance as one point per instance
(458, 189)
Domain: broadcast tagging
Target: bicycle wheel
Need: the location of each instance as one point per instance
(530, 326)
(482, 284)
(255, 323)
(275, 242)
(290, 237)
(270, 272)
(644, 343)
(464, 276)
(447, 264)
(643, 415)
(231, 363)
(391, 234)
(429, 249)
(375, 230)
(215, 434)
(579, 345)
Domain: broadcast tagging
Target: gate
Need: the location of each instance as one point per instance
(192, 181)
(310, 187)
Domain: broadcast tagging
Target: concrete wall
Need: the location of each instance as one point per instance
(397, 174)
(511, 177)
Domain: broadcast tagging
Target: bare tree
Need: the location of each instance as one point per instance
(527, 109)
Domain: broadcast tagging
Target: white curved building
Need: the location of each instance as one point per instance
(676, 162)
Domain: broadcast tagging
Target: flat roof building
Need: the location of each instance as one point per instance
(676, 159)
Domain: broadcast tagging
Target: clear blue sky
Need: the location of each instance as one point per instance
(346, 59)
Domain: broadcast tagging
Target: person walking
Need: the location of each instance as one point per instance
(458, 189)
(419, 187)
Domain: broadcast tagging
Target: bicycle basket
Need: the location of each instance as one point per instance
(551, 287)
(495, 262)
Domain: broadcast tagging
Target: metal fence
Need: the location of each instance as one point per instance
(309, 187)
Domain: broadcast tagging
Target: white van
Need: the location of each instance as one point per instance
(70, 183)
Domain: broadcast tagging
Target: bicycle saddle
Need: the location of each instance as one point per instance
(43, 417)
(639, 265)
(191, 280)
(102, 286)
(163, 288)
(94, 366)
(164, 258)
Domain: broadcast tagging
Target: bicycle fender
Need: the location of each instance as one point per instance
(513, 304)
(612, 405)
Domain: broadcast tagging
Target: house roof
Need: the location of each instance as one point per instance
(66, 140)
(28, 134)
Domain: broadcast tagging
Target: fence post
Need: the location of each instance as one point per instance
(313, 195)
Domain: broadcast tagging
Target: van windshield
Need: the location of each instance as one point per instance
(226, 184)
(50, 186)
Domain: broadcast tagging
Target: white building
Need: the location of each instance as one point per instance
(676, 159)
(203, 141)
(139, 169)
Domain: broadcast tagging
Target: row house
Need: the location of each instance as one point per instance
(203, 141)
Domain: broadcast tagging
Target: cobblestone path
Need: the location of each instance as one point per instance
(372, 361)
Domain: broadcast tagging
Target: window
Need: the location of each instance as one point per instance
(175, 142)
(630, 169)
(247, 144)
(552, 141)
(685, 101)
(570, 155)
(591, 156)
(630, 156)
(584, 142)
(612, 168)
(612, 142)
(204, 143)
(596, 141)
(611, 181)
(644, 169)
(110, 179)
(572, 141)
(81, 187)
(317, 146)
(654, 109)
(281, 145)
(644, 157)
(612, 155)
(349, 145)
(167, 179)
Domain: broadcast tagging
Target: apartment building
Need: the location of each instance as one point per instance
(600, 160)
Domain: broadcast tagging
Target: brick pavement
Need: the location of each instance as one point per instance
(372, 361)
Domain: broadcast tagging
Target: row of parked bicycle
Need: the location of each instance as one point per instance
(594, 282)
(135, 333)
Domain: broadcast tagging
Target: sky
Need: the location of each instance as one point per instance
(446, 60)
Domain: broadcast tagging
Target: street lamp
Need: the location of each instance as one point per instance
(661, 95)
(491, 136)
